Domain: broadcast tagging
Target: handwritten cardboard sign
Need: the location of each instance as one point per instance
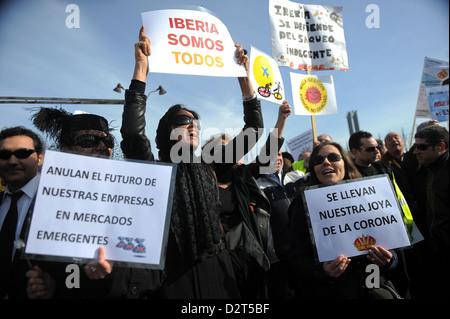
(307, 37)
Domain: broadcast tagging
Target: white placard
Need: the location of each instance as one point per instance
(266, 77)
(301, 143)
(345, 215)
(190, 42)
(85, 202)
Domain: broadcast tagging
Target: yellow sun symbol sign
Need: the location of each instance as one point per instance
(262, 71)
(313, 95)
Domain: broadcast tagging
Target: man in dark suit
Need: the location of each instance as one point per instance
(21, 156)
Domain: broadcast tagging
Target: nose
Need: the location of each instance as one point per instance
(326, 161)
(13, 159)
(102, 149)
(195, 124)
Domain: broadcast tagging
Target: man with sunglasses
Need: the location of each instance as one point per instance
(431, 150)
(21, 156)
(364, 148)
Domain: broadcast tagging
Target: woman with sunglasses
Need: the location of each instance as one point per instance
(82, 133)
(341, 278)
(197, 264)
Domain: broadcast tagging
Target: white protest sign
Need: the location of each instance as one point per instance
(438, 101)
(313, 95)
(307, 37)
(435, 73)
(85, 202)
(266, 77)
(190, 42)
(301, 143)
(348, 218)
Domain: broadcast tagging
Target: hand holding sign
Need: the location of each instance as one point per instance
(241, 56)
(379, 256)
(144, 45)
(242, 59)
(337, 267)
(100, 268)
(142, 50)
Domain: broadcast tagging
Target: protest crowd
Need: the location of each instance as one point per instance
(236, 230)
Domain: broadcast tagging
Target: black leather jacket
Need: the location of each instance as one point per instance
(135, 144)
(135, 282)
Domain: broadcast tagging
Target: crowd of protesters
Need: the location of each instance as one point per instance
(234, 232)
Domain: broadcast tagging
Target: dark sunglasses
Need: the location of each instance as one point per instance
(371, 149)
(22, 153)
(90, 140)
(332, 157)
(185, 120)
(422, 147)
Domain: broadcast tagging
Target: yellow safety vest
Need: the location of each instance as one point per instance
(406, 212)
(299, 166)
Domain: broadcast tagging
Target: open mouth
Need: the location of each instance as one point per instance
(328, 172)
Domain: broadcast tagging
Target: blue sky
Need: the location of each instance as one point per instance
(41, 57)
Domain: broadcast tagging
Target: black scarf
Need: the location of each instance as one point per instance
(194, 225)
(195, 211)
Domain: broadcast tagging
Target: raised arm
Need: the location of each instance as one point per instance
(142, 51)
(135, 144)
(267, 157)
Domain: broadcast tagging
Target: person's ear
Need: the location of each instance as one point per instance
(441, 146)
(40, 159)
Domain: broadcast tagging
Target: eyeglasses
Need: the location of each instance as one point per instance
(186, 120)
(332, 157)
(422, 147)
(370, 149)
(22, 153)
(90, 140)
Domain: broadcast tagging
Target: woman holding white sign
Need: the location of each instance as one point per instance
(341, 278)
(197, 264)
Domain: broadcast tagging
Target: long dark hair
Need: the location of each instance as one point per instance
(350, 169)
(163, 141)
